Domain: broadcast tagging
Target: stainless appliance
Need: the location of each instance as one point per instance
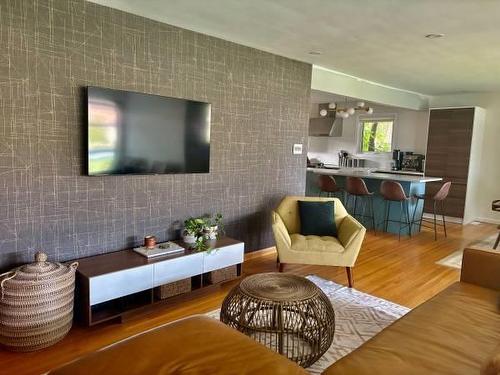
(413, 162)
(397, 157)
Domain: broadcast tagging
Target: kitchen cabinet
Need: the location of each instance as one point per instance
(453, 152)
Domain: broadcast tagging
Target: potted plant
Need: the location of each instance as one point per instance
(213, 226)
(201, 244)
(193, 229)
(204, 244)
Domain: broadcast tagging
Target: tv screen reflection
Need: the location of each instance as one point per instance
(133, 133)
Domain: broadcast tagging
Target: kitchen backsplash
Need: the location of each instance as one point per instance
(327, 152)
(410, 134)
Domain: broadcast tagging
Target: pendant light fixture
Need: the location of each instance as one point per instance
(346, 111)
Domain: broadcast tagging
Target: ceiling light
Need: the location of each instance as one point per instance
(434, 36)
(315, 53)
(343, 112)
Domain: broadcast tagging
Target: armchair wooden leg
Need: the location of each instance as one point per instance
(281, 267)
(349, 276)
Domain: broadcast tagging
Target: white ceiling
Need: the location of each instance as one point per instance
(378, 40)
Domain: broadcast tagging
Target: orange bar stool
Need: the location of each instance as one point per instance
(438, 199)
(356, 188)
(328, 185)
(392, 191)
(495, 206)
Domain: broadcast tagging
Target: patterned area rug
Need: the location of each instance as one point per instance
(358, 317)
(454, 260)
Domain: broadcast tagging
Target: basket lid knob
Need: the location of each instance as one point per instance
(40, 257)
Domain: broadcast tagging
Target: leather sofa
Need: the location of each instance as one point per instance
(195, 345)
(455, 332)
(295, 248)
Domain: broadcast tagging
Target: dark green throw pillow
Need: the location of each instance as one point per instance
(317, 218)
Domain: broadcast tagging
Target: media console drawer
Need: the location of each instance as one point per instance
(223, 257)
(109, 286)
(177, 269)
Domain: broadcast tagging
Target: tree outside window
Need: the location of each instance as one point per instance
(376, 135)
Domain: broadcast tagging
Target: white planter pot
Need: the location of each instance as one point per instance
(211, 232)
(189, 238)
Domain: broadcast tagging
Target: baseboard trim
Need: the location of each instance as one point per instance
(450, 219)
(458, 220)
(261, 252)
(488, 220)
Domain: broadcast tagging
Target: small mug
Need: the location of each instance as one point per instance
(150, 242)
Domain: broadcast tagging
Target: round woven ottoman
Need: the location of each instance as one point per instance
(287, 313)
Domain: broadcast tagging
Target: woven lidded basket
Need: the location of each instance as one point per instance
(36, 304)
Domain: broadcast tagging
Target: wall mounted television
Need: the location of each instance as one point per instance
(134, 133)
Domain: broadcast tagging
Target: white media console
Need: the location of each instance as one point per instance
(111, 285)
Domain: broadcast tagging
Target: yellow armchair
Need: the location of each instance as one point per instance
(328, 251)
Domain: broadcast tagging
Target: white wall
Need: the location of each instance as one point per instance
(489, 173)
(410, 134)
(346, 85)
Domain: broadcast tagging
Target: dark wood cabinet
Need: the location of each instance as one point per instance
(448, 155)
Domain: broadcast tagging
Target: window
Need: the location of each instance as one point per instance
(104, 135)
(376, 135)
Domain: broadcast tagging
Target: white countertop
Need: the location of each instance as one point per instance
(366, 173)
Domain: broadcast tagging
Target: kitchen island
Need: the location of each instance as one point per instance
(411, 183)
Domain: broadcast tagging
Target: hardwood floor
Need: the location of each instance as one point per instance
(403, 272)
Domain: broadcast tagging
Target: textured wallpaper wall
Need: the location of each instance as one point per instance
(51, 49)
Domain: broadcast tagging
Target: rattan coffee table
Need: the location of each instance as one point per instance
(287, 313)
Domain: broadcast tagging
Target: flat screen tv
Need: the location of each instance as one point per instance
(133, 133)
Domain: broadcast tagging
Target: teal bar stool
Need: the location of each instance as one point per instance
(356, 188)
(437, 199)
(392, 191)
(327, 185)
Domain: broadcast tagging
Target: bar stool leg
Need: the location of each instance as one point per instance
(409, 223)
(366, 207)
(387, 212)
(370, 199)
(363, 208)
(413, 216)
(421, 216)
(435, 225)
(497, 241)
(400, 219)
(442, 215)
